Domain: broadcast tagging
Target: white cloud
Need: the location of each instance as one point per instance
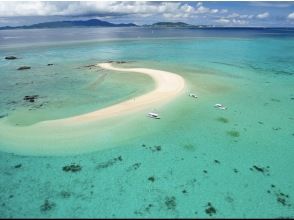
(202, 10)
(239, 22)
(291, 15)
(234, 15)
(98, 8)
(271, 4)
(223, 21)
(263, 15)
(81, 8)
(246, 16)
(213, 11)
(175, 16)
(231, 21)
(223, 11)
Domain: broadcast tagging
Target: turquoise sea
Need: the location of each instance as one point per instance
(196, 161)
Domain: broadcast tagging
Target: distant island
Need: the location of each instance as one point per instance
(176, 25)
(100, 23)
(68, 24)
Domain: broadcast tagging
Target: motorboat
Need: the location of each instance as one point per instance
(220, 106)
(153, 115)
(193, 95)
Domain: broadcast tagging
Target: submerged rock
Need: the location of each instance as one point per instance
(10, 58)
(24, 68)
(50, 64)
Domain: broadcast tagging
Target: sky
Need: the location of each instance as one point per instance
(251, 13)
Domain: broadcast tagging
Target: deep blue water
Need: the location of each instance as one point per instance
(33, 36)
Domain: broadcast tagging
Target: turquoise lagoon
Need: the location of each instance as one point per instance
(197, 161)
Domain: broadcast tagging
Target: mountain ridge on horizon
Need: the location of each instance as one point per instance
(101, 23)
(67, 24)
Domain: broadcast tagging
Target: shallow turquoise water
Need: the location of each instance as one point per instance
(196, 161)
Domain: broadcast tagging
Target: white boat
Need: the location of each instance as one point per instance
(193, 95)
(153, 115)
(220, 106)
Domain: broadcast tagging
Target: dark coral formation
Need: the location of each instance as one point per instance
(144, 210)
(65, 194)
(18, 166)
(11, 58)
(24, 68)
(222, 119)
(276, 129)
(275, 100)
(47, 206)
(3, 116)
(109, 163)
(155, 148)
(233, 133)
(72, 168)
(118, 62)
(184, 191)
(210, 210)
(281, 197)
(151, 178)
(135, 166)
(170, 202)
(189, 147)
(264, 170)
(30, 98)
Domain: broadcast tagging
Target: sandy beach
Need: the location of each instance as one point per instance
(168, 86)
